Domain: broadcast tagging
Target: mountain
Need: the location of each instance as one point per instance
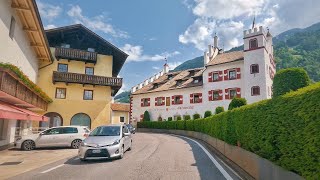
(293, 48)
(123, 97)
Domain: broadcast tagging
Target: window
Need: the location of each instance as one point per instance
(69, 130)
(91, 49)
(179, 83)
(64, 45)
(125, 129)
(191, 73)
(61, 93)
(87, 94)
(159, 101)
(254, 68)
(233, 93)
(215, 95)
(196, 98)
(81, 119)
(89, 70)
(253, 43)
(12, 27)
(145, 102)
(121, 119)
(215, 76)
(177, 99)
(232, 74)
(62, 67)
(52, 131)
(255, 91)
(170, 76)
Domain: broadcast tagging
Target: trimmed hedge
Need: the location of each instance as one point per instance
(237, 102)
(284, 130)
(207, 114)
(196, 116)
(219, 109)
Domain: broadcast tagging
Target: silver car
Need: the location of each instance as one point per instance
(106, 142)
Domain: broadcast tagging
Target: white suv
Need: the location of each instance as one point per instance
(63, 136)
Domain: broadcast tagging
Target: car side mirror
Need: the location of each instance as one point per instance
(126, 134)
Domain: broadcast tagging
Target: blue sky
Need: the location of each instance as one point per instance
(180, 30)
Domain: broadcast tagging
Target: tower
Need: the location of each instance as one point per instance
(259, 67)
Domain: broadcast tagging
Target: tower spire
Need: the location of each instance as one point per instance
(254, 21)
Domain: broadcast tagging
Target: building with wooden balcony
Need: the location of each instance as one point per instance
(24, 50)
(82, 78)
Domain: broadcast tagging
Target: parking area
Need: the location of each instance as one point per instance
(15, 161)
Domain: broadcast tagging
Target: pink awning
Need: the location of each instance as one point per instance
(13, 112)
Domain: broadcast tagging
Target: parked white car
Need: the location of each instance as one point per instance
(63, 136)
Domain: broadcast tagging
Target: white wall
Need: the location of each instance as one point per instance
(16, 51)
(10, 132)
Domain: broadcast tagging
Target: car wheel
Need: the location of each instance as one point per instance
(76, 144)
(121, 152)
(28, 145)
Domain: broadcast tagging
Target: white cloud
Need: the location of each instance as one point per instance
(136, 54)
(230, 18)
(153, 39)
(155, 67)
(48, 11)
(95, 23)
(49, 26)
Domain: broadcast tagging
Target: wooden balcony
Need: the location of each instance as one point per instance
(16, 92)
(75, 54)
(83, 79)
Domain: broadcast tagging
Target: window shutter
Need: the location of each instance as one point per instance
(156, 101)
(191, 98)
(226, 94)
(163, 100)
(200, 97)
(225, 74)
(210, 78)
(238, 73)
(141, 102)
(172, 101)
(238, 92)
(181, 99)
(220, 76)
(220, 94)
(148, 101)
(210, 95)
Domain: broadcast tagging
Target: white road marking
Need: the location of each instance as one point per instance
(52, 169)
(215, 162)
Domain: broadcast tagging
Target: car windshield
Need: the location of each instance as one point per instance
(106, 131)
(129, 126)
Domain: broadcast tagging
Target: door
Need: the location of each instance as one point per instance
(68, 135)
(49, 138)
(167, 101)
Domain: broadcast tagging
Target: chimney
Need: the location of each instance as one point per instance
(215, 41)
(206, 58)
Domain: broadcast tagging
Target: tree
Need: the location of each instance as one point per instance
(237, 102)
(187, 117)
(178, 118)
(169, 118)
(196, 116)
(289, 79)
(219, 109)
(207, 114)
(146, 116)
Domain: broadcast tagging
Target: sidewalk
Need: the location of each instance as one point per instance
(14, 161)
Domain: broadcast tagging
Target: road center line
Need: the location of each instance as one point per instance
(215, 162)
(52, 169)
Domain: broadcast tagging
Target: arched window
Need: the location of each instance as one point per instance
(253, 43)
(81, 119)
(55, 120)
(255, 91)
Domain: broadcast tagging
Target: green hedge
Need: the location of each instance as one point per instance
(285, 129)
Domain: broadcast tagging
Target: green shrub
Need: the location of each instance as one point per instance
(181, 124)
(187, 117)
(219, 109)
(237, 102)
(146, 116)
(171, 124)
(179, 118)
(196, 116)
(290, 79)
(284, 130)
(207, 114)
(169, 118)
(189, 125)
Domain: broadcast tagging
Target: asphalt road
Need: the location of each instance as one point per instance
(153, 156)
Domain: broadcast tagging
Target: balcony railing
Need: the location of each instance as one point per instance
(14, 91)
(75, 54)
(86, 79)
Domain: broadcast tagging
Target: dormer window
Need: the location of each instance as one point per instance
(170, 76)
(64, 45)
(196, 81)
(91, 49)
(155, 86)
(191, 73)
(253, 43)
(179, 83)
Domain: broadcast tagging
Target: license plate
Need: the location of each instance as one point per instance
(96, 151)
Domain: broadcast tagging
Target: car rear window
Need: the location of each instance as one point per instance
(69, 130)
